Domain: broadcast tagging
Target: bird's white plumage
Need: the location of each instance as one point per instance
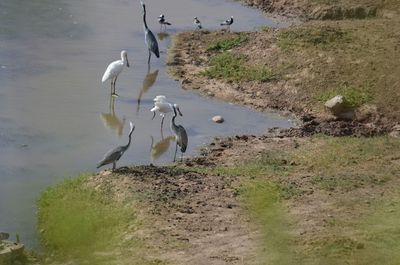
(160, 98)
(116, 67)
(163, 107)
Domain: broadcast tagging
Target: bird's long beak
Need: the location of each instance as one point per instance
(127, 62)
(180, 113)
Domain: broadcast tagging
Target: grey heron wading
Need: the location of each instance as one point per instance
(228, 23)
(115, 154)
(197, 23)
(149, 37)
(180, 135)
(114, 69)
(163, 22)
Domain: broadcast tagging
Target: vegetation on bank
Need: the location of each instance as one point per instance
(357, 177)
(83, 225)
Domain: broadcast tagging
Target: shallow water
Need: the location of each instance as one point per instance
(56, 118)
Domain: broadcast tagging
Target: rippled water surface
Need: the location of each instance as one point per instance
(57, 119)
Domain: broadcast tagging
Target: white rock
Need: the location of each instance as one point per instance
(218, 119)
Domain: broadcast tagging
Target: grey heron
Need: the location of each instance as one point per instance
(149, 37)
(115, 154)
(114, 69)
(163, 22)
(163, 106)
(197, 23)
(180, 135)
(228, 23)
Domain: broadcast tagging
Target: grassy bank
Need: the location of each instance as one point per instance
(82, 225)
(328, 201)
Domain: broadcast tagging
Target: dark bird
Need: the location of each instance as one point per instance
(163, 22)
(149, 37)
(197, 23)
(181, 137)
(115, 154)
(228, 23)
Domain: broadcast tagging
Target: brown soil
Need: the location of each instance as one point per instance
(193, 218)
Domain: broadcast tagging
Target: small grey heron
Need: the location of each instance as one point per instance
(163, 22)
(197, 23)
(115, 154)
(228, 23)
(114, 69)
(180, 135)
(163, 106)
(149, 37)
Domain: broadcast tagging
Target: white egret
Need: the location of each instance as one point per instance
(114, 69)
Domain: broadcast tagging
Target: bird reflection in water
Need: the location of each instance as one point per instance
(160, 147)
(148, 82)
(162, 35)
(111, 120)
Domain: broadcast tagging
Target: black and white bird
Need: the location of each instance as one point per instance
(181, 137)
(197, 23)
(115, 154)
(228, 23)
(149, 38)
(163, 22)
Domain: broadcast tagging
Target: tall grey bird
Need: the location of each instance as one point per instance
(163, 22)
(197, 23)
(114, 69)
(149, 37)
(115, 154)
(228, 23)
(180, 135)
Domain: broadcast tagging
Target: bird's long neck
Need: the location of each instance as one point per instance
(173, 125)
(144, 17)
(130, 138)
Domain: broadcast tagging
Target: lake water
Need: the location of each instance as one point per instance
(57, 119)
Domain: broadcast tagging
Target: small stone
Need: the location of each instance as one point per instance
(218, 119)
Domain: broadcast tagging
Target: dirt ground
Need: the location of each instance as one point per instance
(196, 217)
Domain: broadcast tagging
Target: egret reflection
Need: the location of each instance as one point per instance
(162, 146)
(148, 82)
(111, 120)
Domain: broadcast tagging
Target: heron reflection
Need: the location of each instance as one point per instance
(160, 147)
(111, 120)
(148, 82)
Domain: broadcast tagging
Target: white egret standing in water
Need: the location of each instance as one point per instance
(114, 69)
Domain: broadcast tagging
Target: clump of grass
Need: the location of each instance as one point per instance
(76, 222)
(354, 97)
(322, 37)
(227, 43)
(234, 68)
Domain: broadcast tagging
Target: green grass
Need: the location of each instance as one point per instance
(319, 37)
(336, 166)
(227, 43)
(84, 226)
(234, 68)
(354, 97)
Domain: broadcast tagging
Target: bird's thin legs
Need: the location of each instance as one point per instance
(162, 121)
(148, 61)
(114, 165)
(176, 149)
(113, 92)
